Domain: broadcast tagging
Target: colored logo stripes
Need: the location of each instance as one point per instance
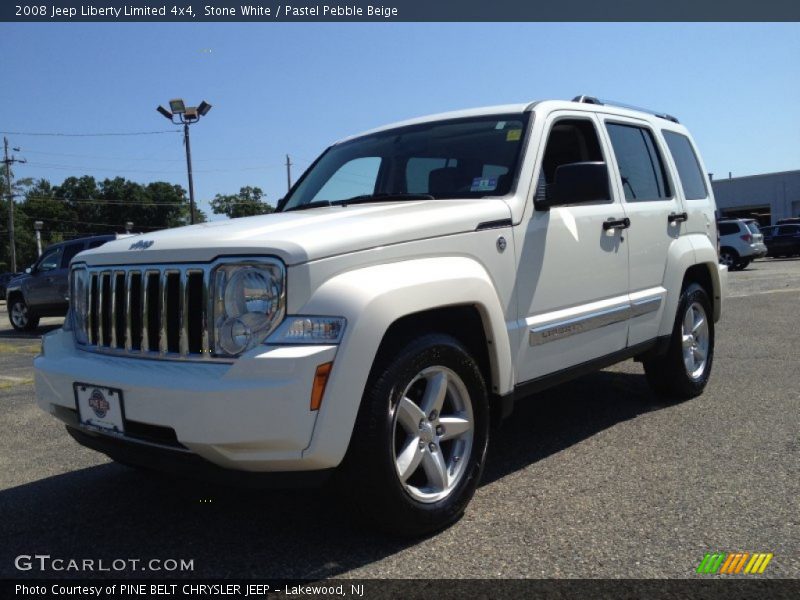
(734, 563)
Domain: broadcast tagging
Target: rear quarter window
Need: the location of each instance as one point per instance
(689, 172)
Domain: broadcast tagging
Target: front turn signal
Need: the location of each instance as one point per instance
(320, 381)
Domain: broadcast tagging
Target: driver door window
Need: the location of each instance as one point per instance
(50, 261)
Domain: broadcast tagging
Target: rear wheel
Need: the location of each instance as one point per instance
(683, 371)
(20, 316)
(741, 264)
(420, 440)
(728, 257)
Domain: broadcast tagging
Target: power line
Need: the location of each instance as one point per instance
(152, 171)
(100, 201)
(52, 134)
(150, 159)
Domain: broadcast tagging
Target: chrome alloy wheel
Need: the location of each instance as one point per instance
(433, 431)
(19, 314)
(695, 340)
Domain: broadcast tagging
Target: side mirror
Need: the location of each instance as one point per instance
(576, 183)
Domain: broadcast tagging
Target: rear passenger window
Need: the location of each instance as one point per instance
(69, 253)
(728, 228)
(640, 165)
(692, 180)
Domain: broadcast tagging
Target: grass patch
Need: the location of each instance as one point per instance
(5, 383)
(26, 348)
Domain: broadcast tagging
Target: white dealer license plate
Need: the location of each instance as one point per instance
(100, 407)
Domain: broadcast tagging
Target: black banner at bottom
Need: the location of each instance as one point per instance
(409, 589)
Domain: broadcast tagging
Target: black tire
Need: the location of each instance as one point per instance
(728, 257)
(668, 375)
(20, 316)
(370, 472)
(741, 265)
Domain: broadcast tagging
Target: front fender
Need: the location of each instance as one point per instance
(371, 299)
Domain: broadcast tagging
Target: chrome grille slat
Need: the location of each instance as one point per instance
(163, 342)
(100, 309)
(145, 312)
(112, 322)
(128, 328)
(111, 290)
(183, 308)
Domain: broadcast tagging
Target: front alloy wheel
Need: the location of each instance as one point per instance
(419, 443)
(433, 431)
(20, 316)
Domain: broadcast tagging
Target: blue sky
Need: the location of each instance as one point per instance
(295, 88)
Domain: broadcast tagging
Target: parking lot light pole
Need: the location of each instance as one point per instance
(37, 227)
(180, 114)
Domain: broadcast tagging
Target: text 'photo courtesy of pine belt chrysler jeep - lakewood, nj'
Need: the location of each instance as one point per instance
(416, 281)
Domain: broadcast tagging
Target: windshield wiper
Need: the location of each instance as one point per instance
(386, 196)
(361, 199)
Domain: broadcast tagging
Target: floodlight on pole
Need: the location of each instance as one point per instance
(186, 115)
(177, 106)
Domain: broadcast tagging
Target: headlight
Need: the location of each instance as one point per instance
(309, 330)
(78, 309)
(248, 305)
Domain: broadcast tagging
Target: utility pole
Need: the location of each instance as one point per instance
(288, 173)
(8, 162)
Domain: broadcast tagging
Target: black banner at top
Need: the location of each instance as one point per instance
(298, 11)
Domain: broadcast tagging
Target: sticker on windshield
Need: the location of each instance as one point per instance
(500, 125)
(513, 135)
(483, 184)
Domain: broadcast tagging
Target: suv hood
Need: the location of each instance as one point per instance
(301, 236)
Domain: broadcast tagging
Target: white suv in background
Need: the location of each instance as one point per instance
(416, 282)
(740, 243)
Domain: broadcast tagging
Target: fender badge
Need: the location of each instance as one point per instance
(141, 245)
(501, 244)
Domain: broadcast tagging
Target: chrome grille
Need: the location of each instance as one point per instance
(147, 310)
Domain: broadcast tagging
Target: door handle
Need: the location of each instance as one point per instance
(677, 217)
(613, 223)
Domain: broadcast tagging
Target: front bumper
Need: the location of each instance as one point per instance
(249, 415)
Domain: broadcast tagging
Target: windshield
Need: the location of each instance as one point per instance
(458, 158)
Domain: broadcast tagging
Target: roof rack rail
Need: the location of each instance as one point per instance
(592, 100)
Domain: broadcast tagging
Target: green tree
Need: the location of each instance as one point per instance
(82, 206)
(246, 203)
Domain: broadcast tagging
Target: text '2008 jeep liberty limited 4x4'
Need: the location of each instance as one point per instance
(415, 281)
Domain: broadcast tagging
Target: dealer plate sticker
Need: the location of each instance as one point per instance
(100, 407)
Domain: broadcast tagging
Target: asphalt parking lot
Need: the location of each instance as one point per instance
(592, 479)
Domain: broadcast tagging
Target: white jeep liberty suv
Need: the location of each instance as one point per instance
(416, 281)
